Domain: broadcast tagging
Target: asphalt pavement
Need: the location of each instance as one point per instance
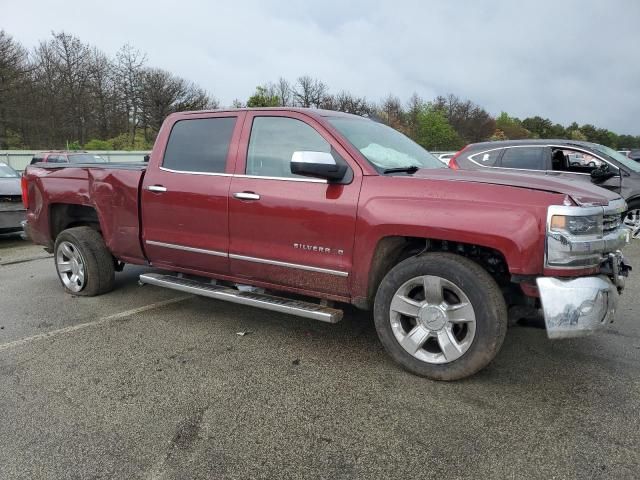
(152, 384)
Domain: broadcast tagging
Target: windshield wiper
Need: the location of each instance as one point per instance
(410, 169)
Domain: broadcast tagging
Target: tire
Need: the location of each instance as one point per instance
(631, 218)
(84, 264)
(467, 292)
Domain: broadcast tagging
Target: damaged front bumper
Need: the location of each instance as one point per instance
(579, 306)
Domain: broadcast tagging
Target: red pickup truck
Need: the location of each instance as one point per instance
(300, 211)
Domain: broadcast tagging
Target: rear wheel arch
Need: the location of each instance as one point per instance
(63, 216)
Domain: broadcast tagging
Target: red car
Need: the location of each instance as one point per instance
(63, 156)
(301, 211)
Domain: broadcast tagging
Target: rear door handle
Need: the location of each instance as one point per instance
(156, 188)
(246, 196)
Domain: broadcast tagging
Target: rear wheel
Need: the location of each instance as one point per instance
(83, 262)
(441, 316)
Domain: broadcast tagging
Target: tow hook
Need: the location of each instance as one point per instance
(617, 269)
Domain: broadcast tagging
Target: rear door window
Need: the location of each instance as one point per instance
(199, 145)
(528, 158)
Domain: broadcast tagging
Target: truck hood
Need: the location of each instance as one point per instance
(582, 192)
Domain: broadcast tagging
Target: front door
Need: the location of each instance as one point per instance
(185, 193)
(285, 229)
(578, 165)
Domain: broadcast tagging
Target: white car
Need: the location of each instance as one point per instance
(444, 157)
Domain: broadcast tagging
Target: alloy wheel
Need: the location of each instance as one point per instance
(632, 222)
(70, 266)
(432, 319)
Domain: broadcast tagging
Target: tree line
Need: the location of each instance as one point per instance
(67, 94)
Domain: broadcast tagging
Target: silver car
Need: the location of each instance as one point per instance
(12, 212)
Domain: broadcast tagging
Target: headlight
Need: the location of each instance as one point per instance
(577, 225)
(574, 236)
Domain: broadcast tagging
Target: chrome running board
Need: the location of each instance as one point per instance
(260, 300)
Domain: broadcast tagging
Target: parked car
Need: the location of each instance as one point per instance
(300, 211)
(624, 152)
(444, 157)
(62, 156)
(12, 211)
(586, 161)
(634, 155)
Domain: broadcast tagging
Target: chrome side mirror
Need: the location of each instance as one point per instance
(318, 165)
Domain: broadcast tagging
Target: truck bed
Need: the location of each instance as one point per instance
(112, 190)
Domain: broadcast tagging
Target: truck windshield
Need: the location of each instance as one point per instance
(626, 161)
(383, 146)
(85, 158)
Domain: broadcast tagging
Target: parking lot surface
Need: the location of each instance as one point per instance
(152, 384)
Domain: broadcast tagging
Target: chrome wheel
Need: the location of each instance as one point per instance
(432, 319)
(70, 266)
(632, 222)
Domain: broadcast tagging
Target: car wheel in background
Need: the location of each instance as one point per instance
(632, 219)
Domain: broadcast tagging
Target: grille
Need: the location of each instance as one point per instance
(611, 222)
(11, 198)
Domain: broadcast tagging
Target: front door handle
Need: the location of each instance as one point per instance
(156, 188)
(246, 196)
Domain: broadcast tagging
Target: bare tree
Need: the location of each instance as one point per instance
(391, 112)
(14, 68)
(472, 122)
(129, 67)
(309, 92)
(283, 91)
(163, 93)
(348, 103)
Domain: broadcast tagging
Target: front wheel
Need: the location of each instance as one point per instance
(83, 262)
(440, 315)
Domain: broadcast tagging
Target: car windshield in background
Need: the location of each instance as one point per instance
(383, 146)
(85, 158)
(7, 172)
(626, 161)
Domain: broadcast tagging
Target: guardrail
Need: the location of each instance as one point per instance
(19, 159)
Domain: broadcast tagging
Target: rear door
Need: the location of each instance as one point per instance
(185, 193)
(286, 229)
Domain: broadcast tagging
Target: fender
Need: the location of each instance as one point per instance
(438, 210)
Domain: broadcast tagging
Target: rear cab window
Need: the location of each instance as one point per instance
(199, 145)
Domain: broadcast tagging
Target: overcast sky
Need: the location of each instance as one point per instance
(566, 60)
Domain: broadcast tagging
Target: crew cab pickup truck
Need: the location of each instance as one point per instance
(302, 211)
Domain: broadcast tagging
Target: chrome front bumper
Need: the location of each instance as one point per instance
(578, 306)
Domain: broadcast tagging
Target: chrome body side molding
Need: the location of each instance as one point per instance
(298, 266)
(277, 263)
(186, 249)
